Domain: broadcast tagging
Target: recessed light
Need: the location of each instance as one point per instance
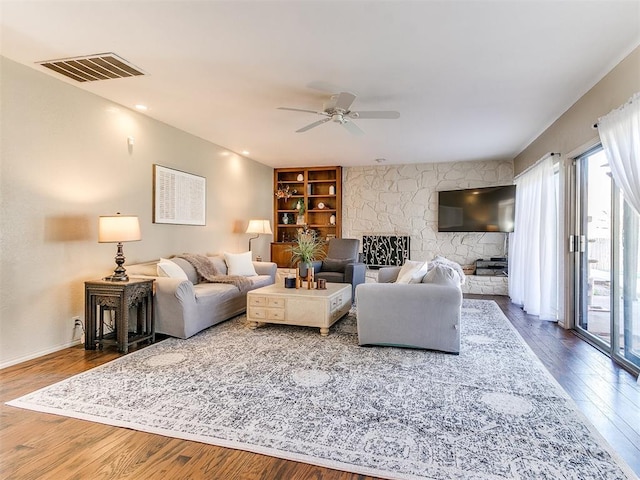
(142, 108)
(380, 160)
(245, 152)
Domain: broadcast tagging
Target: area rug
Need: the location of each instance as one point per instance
(492, 412)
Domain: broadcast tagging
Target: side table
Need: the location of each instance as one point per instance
(119, 297)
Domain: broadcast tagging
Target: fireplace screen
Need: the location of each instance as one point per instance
(385, 250)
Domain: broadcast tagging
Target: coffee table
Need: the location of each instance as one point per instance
(299, 306)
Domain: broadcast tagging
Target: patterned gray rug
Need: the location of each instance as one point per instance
(492, 412)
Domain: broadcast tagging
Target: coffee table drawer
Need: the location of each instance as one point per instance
(256, 301)
(275, 314)
(257, 313)
(339, 301)
(275, 302)
(261, 313)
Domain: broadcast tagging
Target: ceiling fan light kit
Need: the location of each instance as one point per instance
(337, 110)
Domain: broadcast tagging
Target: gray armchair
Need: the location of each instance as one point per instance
(341, 265)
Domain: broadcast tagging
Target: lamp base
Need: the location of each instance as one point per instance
(120, 273)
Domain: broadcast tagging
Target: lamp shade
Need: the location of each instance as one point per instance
(118, 228)
(259, 226)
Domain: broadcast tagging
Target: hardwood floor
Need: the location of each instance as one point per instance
(41, 446)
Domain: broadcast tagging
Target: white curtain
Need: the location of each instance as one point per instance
(533, 257)
(619, 131)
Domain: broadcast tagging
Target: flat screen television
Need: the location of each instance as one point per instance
(488, 209)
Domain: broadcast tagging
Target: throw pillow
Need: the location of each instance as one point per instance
(442, 275)
(334, 264)
(408, 269)
(189, 269)
(167, 268)
(418, 275)
(240, 264)
(219, 264)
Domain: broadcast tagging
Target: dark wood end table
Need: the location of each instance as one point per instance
(119, 297)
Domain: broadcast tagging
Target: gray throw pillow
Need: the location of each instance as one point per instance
(334, 265)
(192, 275)
(219, 264)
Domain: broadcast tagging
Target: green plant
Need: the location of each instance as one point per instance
(307, 248)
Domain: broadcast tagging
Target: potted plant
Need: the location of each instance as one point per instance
(307, 249)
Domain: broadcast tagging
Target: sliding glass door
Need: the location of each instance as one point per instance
(627, 284)
(593, 245)
(607, 269)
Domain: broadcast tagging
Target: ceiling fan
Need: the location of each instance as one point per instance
(337, 109)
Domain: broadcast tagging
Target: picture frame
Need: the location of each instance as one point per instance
(179, 198)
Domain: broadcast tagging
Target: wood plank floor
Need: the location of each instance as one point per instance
(41, 446)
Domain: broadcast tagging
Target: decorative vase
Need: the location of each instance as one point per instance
(285, 219)
(332, 220)
(300, 177)
(332, 190)
(300, 220)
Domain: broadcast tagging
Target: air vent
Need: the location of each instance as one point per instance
(103, 66)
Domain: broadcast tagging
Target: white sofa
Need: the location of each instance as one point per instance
(422, 314)
(183, 308)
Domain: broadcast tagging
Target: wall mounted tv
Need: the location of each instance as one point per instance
(488, 209)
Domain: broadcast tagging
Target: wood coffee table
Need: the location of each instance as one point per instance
(299, 306)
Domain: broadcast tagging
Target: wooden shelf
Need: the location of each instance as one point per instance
(316, 187)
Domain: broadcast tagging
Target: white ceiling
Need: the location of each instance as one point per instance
(472, 79)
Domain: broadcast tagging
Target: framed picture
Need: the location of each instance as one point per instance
(178, 197)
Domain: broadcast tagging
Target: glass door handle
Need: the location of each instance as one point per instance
(577, 243)
(583, 243)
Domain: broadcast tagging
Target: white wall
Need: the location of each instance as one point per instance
(403, 200)
(574, 128)
(65, 161)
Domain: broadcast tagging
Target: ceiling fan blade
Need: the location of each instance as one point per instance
(344, 101)
(312, 125)
(353, 128)
(301, 110)
(375, 114)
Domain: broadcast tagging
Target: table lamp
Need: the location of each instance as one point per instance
(117, 229)
(259, 227)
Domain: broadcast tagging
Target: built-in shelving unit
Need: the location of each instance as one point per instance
(320, 191)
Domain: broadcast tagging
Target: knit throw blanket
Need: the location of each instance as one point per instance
(438, 260)
(207, 270)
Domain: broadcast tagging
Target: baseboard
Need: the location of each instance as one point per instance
(41, 353)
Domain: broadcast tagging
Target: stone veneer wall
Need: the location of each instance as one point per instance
(403, 200)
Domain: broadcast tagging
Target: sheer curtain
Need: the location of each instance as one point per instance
(619, 131)
(533, 278)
